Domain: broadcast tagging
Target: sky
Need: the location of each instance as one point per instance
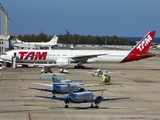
(123, 18)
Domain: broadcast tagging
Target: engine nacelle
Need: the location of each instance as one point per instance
(81, 90)
(98, 99)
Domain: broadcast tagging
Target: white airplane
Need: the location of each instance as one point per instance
(16, 40)
(52, 42)
(98, 72)
(82, 97)
(66, 57)
(59, 88)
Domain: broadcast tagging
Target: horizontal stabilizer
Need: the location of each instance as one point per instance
(146, 55)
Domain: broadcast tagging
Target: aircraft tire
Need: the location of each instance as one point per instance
(96, 106)
(82, 67)
(61, 70)
(66, 106)
(92, 106)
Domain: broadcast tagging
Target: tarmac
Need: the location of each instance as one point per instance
(139, 80)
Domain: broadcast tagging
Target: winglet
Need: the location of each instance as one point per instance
(140, 51)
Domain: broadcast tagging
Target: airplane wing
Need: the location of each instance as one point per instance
(36, 64)
(108, 99)
(96, 90)
(85, 57)
(105, 99)
(61, 99)
(109, 72)
(46, 67)
(145, 55)
(89, 85)
(60, 83)
(40, 89)
(53, 98)
(50, 85)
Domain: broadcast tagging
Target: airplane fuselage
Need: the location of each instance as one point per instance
(30, 56)
(63, 89)
(81, 97)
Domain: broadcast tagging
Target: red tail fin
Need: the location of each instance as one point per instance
(140, 51)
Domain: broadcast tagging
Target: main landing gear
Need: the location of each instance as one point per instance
(96, 106)
(66, 106)
(79, 66)
(42, 71)
(66, 103)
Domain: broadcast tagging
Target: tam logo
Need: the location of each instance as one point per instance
(144, 43)
(33, 55)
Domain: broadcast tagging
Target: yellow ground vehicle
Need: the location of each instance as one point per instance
(106, 78)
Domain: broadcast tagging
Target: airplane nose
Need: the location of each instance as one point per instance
(5, 57)
(2, 57)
